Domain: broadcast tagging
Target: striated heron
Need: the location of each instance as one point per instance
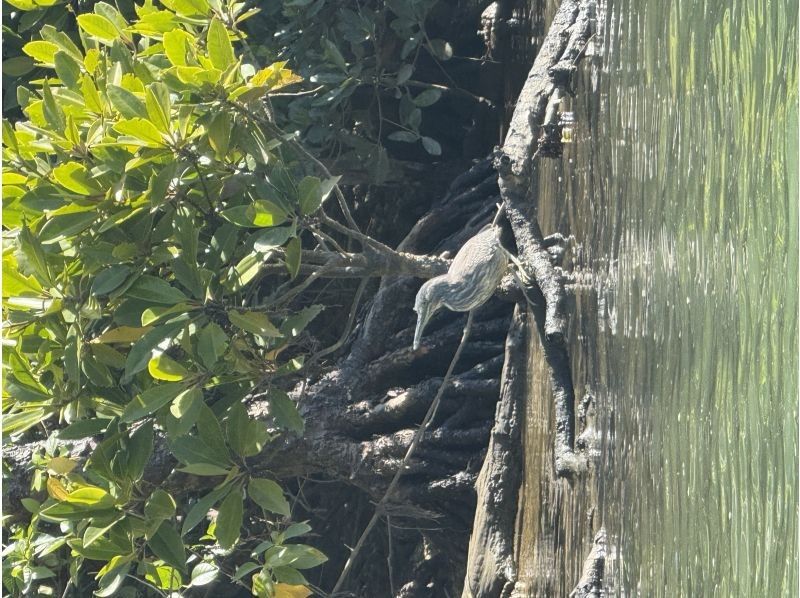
(471, 280)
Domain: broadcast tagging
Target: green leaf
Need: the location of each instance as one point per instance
(270, 238)
(309, 195)
(204, 469)
(163, 577)
(83, 429)
(53, 113)
(229, 519)
(293, 252)
(192, 450)
(67, 225)
(284, 411)
(177, 44)
(295, 530)
(71, 358)
(112, 14)
(290, 575)
(296, 323)
(431, 146)
(139, 450)
(160, 505)
(219, 45)
(41, 51)
(299, 556)
(168, 546)
(404, 73)
(62, 40)
(76, 178)
(151, 401)
(159, 106)
(203, 574)
(403, 137)
(269, 496)
(112, 581)
(91, 96)
(95, 532)
(142, 130)
(90, 496)
(427, 98)
(186, 409)
(244, 569)
(34, 251)
(199, 511)
(155, 290)
(161, 313)
(255, 322)
(259, 214)
(67, 69)
(441, 49)
(109, 279)
(19, 422)
(126, 102)
(188, 8)
(99, 27)
(219, 134)
(212, 342)
(210, 431)
(246, 436)
(18, 66)
(163, 367)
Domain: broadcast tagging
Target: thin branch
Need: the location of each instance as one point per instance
(348, 327)
(379, 508)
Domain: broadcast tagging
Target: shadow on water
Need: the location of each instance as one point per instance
(681, 191)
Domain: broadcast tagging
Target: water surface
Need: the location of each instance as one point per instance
(681, 190)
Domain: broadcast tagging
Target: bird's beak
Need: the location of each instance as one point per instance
(423, 315)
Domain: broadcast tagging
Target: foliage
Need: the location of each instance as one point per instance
(364, 57)
(145, 197)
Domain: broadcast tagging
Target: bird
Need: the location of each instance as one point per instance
(470, 281)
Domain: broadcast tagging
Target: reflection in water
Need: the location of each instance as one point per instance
(681, 190)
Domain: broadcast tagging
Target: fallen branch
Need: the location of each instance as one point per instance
(518, 174)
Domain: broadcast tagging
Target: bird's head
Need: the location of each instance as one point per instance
(429, 300)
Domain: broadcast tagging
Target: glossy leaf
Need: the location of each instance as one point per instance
(163, 367)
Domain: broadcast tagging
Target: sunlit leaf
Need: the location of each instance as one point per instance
(41, 51)
(257, 214)
(219, 45)
(163, 367)
(98, 27)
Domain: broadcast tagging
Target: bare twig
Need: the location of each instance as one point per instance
(348, 327)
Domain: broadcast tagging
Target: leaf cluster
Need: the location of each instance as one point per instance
(144, 202)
